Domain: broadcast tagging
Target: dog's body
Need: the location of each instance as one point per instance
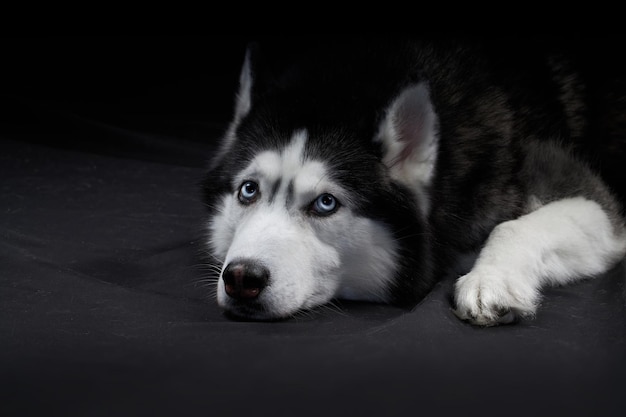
(366, 172)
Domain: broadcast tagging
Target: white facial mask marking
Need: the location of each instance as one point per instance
(311, 260)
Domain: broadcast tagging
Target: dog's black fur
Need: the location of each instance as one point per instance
(506, 109)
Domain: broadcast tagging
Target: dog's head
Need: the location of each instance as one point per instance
(308, 203)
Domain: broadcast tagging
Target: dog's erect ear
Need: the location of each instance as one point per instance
(252, 80)
(255, 78)
(409, 137)
(243, 100)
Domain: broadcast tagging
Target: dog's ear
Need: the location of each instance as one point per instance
(243, 99)
(255, 78)
(408, 134)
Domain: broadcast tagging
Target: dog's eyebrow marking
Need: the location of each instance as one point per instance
(310, 178)
(266, 165)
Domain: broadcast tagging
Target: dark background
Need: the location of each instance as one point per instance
(105, 308)
(124, 95)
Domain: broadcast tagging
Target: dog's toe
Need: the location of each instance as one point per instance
(507, 317)
(489, 299)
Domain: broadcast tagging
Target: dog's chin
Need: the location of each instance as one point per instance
(247, 316)
(255, 311)
(270, 306)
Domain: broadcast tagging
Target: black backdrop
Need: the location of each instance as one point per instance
(124, 95)
(104, 304)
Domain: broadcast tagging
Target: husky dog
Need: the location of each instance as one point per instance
(364, 171)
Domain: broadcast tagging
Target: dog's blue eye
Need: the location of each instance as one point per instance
(248, 192)
(325, 204)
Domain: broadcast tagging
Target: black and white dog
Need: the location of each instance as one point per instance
(366, 170)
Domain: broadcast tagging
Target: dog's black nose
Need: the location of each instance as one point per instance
(245, 279)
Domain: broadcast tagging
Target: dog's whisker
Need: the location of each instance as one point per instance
(333, 307)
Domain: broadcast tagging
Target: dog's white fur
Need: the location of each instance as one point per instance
(311, 260)
(556, 244)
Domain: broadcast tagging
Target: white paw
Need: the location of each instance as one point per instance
(488, 297)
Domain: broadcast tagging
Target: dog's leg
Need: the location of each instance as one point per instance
(560, 242)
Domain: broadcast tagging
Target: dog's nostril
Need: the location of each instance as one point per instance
(245, 279)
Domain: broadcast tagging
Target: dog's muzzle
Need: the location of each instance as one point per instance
(244, 279)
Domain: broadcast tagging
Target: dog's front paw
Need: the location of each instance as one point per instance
(489, 297)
